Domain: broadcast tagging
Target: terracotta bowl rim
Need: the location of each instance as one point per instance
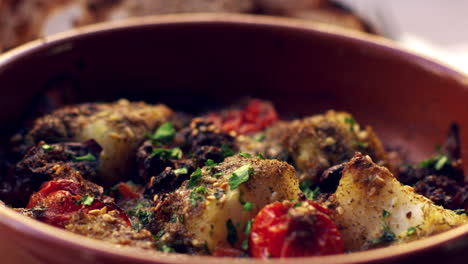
(35, 229)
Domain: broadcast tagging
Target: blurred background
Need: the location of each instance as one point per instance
(435, 28)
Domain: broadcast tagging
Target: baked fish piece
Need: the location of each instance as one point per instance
(119, 128)
(212, 209)
(373, 209)
(316, 143)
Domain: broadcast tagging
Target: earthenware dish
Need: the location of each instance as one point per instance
(193, 62)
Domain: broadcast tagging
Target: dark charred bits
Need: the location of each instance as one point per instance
(164, 167)
(330, 178)
(441, 177)
(38, 164)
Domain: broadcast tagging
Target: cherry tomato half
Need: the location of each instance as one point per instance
(288, 229)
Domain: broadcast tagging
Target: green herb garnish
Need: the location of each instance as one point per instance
(173, 218)
(385, 214)
(87, 157)
(196, 196)
(351, 123)
(386, 237)
(441, 162)
(310, 191)
(247, 230)
(361, 144)
(210, 163)
(164, 134)
(226, 151)
(437, 162)
(387, 234)
(245, 155)
(240, 176)
(259, 155)
(181, 219)
(160, 234)
(85, 200)
(411, 231)
(248, 206)
(181, 171)
(232, 236)
(259, 137)
(144, 216)
(218, 174)
(47, 147)
(174, 153)
(194, 179)
(165, 248)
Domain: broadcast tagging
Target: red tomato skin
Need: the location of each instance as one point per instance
(278, 233)
(61, 198)
(127, 191)
(254, 117)
(49, 187)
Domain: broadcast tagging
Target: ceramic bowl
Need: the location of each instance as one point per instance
(192, 62)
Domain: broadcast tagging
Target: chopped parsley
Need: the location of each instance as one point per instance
(210, 163)
(311, 192)
(351, 123)
(247, 230)
(226, 151)
(173, 218)
(259, 137)
(164, 134)
(143, 215)
(248, 206)
(85, 200)
(386, 237)
(361, 144)
(47, 147)
(160, 234)
(181, 219)
(240, 176)
(259, 155)
(437, 162)
(245, 155)
(87, 157)
(194, 179)
(441, 162)
(165, 248)
(218, 174)
(174, 153)
(232, 236)
(181, 171)
(387, 234)
(196, 196)
(385, 214)
(411, 231)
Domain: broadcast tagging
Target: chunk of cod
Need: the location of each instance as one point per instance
(118, 127)
(317, 143)
(367, 192)
(206, 218)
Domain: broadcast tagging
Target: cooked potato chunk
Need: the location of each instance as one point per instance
(316, 143)
(373, 208)
(118, 127)
(225, 197)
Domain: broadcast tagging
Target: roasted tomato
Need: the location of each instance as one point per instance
(63, 199)
(256, 116)
(288, 229)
